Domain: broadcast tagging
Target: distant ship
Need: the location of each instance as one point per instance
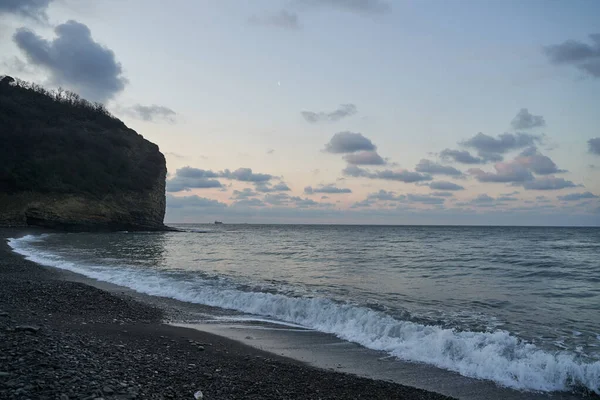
(218, 223)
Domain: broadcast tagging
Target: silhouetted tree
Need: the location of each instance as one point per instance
(56, 141)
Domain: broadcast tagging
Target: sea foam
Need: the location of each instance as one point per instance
(498, 356)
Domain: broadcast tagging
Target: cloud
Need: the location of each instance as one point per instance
(248, 203)
(174, 155)
(277, 199)
(461, 156)
(594, 146)
(578, 196)
(525, 120)
(75, 60)
(189, 172)
(188, 178)
(152, 113)
(15, 66)
(442, 194)
(362, 204)
(178, 184)
(401, 176)
(283, 19)
(521, 169)
(443, 185)
(485, 200)
(424, 199)
(384, 212)
(548, 183)
(282, 199)
(482, 199)
(265, 187)
(506, 198)
(585, 57)
(592, 68)
(35, 9)
(491, 149)
(384, 195)
(349, 142)
(358, 6)
(243, 194)
(345, 110)
(536, 162)
(329, 189)
(364, 158)
(193, 201)
(433, 168)
(505, 173)
(305, 203)
(245, 175)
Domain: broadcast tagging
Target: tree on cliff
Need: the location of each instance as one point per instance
(55, 141)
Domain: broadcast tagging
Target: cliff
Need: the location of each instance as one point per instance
(68, 164)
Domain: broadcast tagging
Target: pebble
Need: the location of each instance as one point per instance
(27, 328)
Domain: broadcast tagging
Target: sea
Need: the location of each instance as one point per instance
(515, 306)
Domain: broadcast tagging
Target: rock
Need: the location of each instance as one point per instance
(27, 328)
(64, 397)
(4, 374)
(3, 314)
(200, 348)
(198, 395)
(107, 390)
(124, 184)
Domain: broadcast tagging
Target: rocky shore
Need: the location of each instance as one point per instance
(61, 339)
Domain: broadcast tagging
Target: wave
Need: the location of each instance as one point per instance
(497, 356)
(197, 230)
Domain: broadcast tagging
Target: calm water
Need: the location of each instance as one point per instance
(519, 306)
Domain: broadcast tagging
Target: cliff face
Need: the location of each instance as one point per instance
(80, 212)
(68, 164)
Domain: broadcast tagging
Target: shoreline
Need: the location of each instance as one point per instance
(60, 338)
(309, 348)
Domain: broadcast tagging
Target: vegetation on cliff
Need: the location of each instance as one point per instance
(57, 142)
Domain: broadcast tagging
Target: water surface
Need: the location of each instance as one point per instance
(517, 306)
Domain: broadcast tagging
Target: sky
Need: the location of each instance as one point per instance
(340, 111)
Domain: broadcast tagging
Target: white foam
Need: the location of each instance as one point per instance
(497, 356)
(255, 319)
(195, 230)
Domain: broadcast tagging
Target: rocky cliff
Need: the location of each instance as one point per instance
(67, 163)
